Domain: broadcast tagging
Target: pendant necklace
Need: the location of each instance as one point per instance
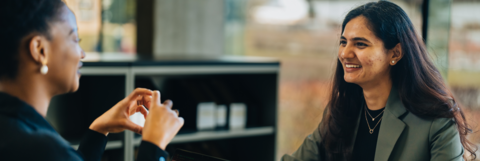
(371, 130)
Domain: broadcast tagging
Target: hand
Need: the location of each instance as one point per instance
(162, 123)
(116, 119)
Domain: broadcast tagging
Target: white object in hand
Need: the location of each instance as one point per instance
(138, 119)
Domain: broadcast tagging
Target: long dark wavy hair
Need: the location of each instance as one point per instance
(420, 85)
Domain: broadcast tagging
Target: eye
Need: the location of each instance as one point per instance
(77, 40)
(343, 42)
(359, 44)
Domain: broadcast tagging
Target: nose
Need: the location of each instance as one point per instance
(83, 54)
(348, 52)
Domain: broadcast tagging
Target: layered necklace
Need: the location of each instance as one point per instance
(373, 119)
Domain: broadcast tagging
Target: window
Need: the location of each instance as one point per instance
(464, 58)
(114, 32)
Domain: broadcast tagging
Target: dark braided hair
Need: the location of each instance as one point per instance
(19, 19)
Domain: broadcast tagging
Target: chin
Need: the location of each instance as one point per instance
(75, 86)
(74, 89)
(349, 79)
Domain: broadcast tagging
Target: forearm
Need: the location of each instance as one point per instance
(92, 146)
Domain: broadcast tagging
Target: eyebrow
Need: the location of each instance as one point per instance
(357, 39)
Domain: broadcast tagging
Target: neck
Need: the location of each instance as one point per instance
(376, 94)
(35, 93)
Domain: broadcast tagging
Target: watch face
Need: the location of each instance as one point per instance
(183, 155)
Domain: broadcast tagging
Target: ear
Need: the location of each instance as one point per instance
(39, 51)
(396, 54)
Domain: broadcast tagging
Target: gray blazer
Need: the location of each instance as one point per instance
(402, 137)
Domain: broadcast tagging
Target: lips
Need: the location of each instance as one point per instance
(350, 67)
(353, 66)
(80, 64)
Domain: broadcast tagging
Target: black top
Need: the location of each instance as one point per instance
(26, 135)
(366, 143)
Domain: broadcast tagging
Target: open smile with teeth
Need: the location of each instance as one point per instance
(353, 66)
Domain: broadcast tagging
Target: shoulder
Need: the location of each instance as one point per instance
(442, 126)
(432, 124)
(435, 127)
(39, 146)
(13, 129)
(9, 123)
(19, 142)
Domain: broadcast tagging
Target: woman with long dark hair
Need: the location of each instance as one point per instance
(388, 100)
(40, 58)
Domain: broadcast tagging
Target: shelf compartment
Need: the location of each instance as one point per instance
(217, 135)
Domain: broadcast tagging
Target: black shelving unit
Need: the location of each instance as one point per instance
(186, 81)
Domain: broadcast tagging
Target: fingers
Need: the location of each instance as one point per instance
(177, 112)
(168, 104)
(139, 91)
(134, 105)
(181, 121)
(140, 100)
(129, 125)
(146, 101)
(156, 97)
(142, 110)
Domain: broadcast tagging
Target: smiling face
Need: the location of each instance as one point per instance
(65, 55)
(363, 55)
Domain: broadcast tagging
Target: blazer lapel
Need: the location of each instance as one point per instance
(391, 127)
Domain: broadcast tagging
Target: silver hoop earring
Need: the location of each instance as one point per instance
(44, 69)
